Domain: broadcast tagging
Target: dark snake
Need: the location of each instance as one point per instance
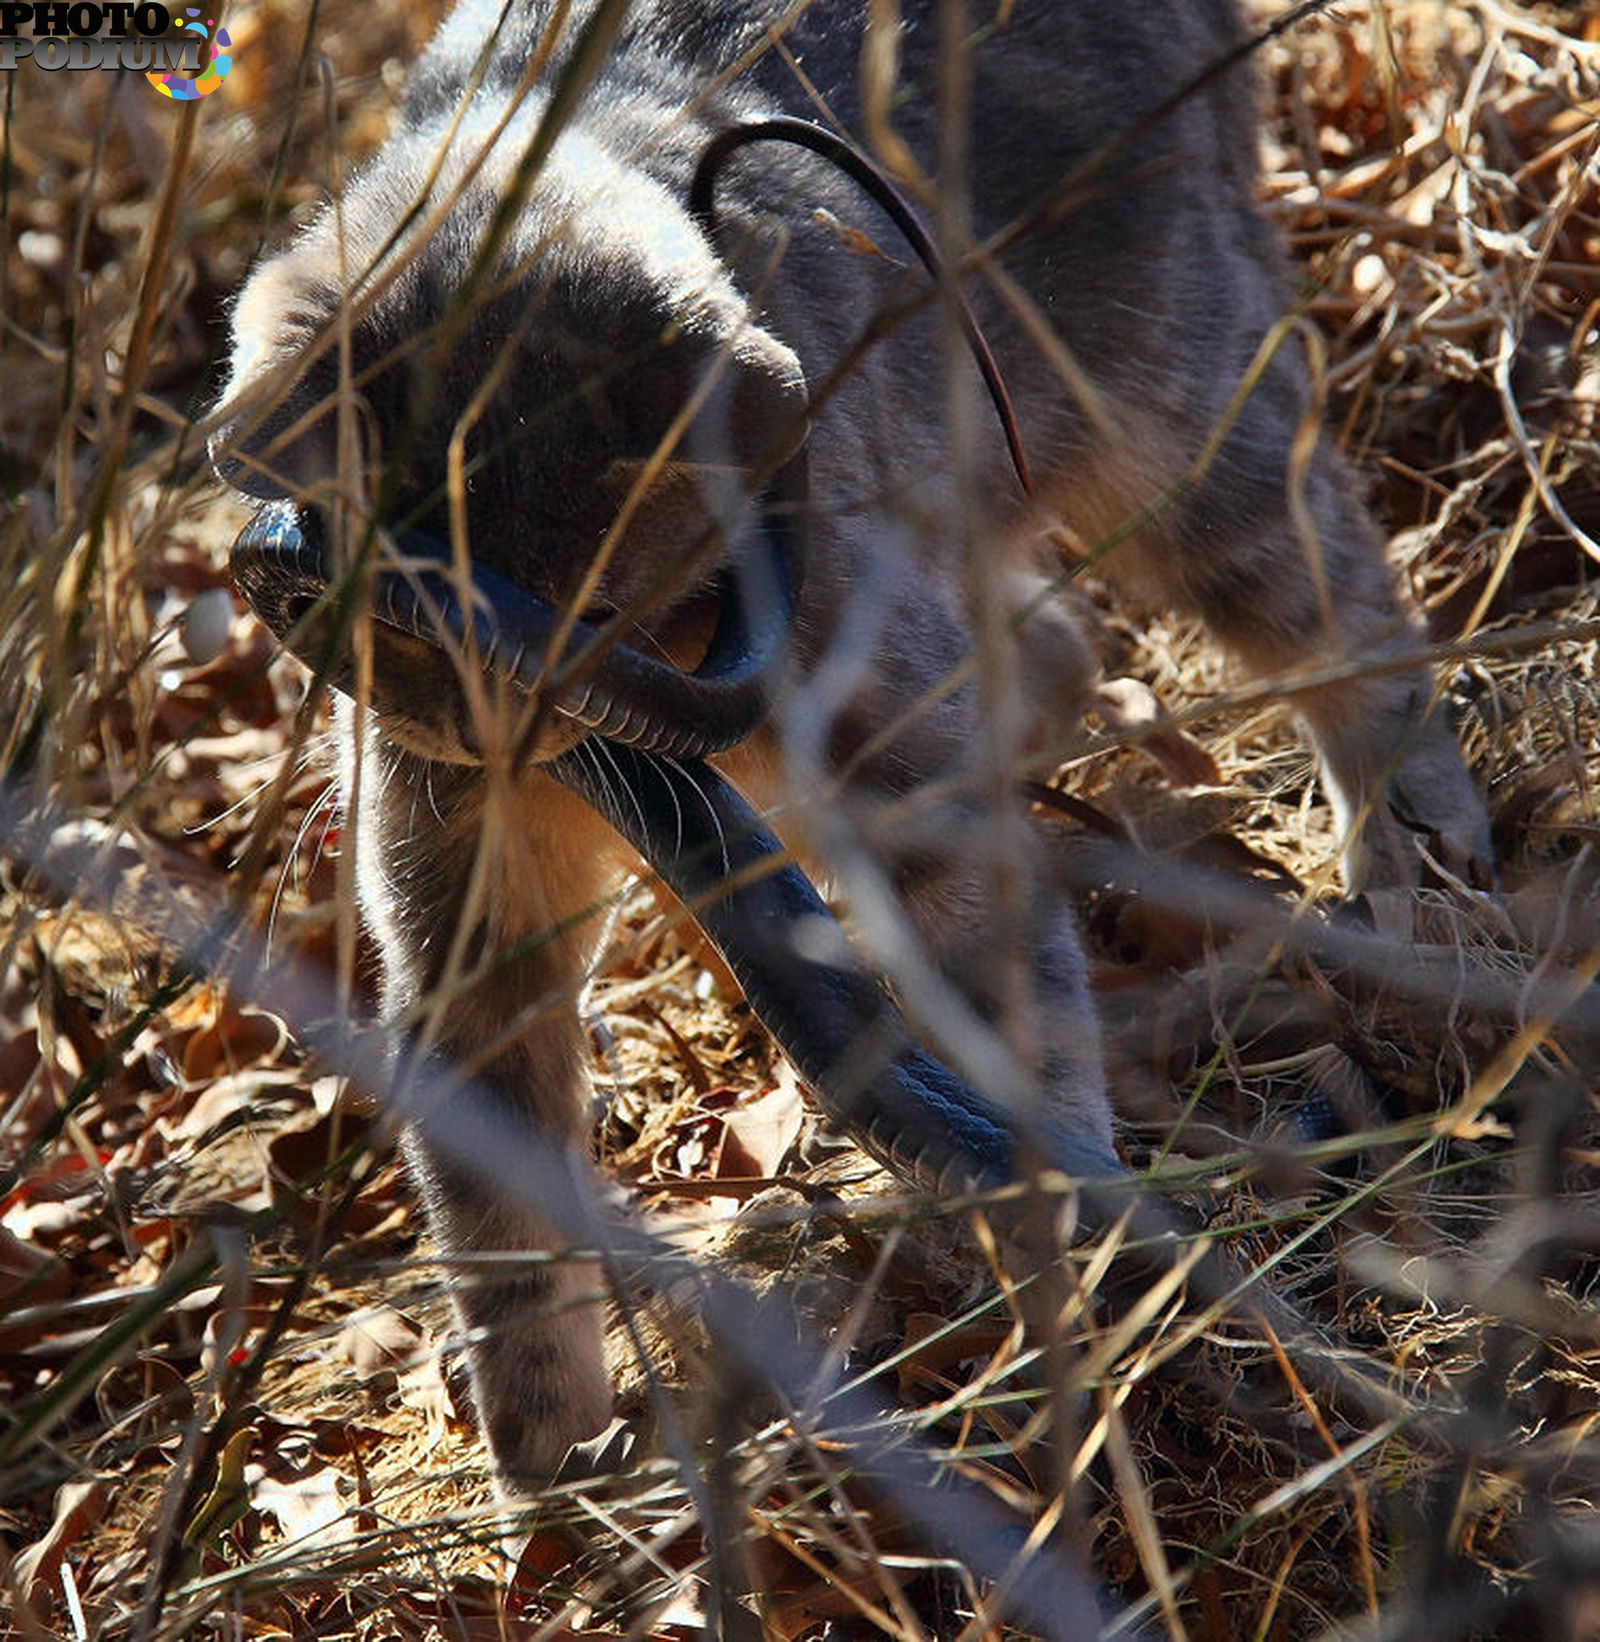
(824, 1008)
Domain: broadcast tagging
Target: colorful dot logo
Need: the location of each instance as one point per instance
(185, 90)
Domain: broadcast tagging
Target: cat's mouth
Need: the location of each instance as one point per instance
(432, 626)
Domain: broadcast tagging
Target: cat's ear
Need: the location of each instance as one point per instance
(749, 421)
(292, 450)
(280, 431)
(753, 411)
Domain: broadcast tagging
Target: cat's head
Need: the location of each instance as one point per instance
(571, 394)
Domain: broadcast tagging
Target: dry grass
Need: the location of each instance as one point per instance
(196, 1223)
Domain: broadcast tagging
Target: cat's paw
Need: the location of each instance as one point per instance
(1430, 803)
(1400, 786)
(539, 1389)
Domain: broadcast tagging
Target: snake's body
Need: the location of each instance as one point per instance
(817, 999)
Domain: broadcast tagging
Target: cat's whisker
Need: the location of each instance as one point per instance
(326, 806)
(711, 810)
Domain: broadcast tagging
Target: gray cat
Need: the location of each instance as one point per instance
(556, 316)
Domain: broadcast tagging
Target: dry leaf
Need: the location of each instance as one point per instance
(1131, 707)
(79, 1507)
(379, 1341)
(761, 1129)
(310, 1509)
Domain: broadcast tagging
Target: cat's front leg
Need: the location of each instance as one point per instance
(487, 907)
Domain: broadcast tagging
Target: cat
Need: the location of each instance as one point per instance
(556, 310)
